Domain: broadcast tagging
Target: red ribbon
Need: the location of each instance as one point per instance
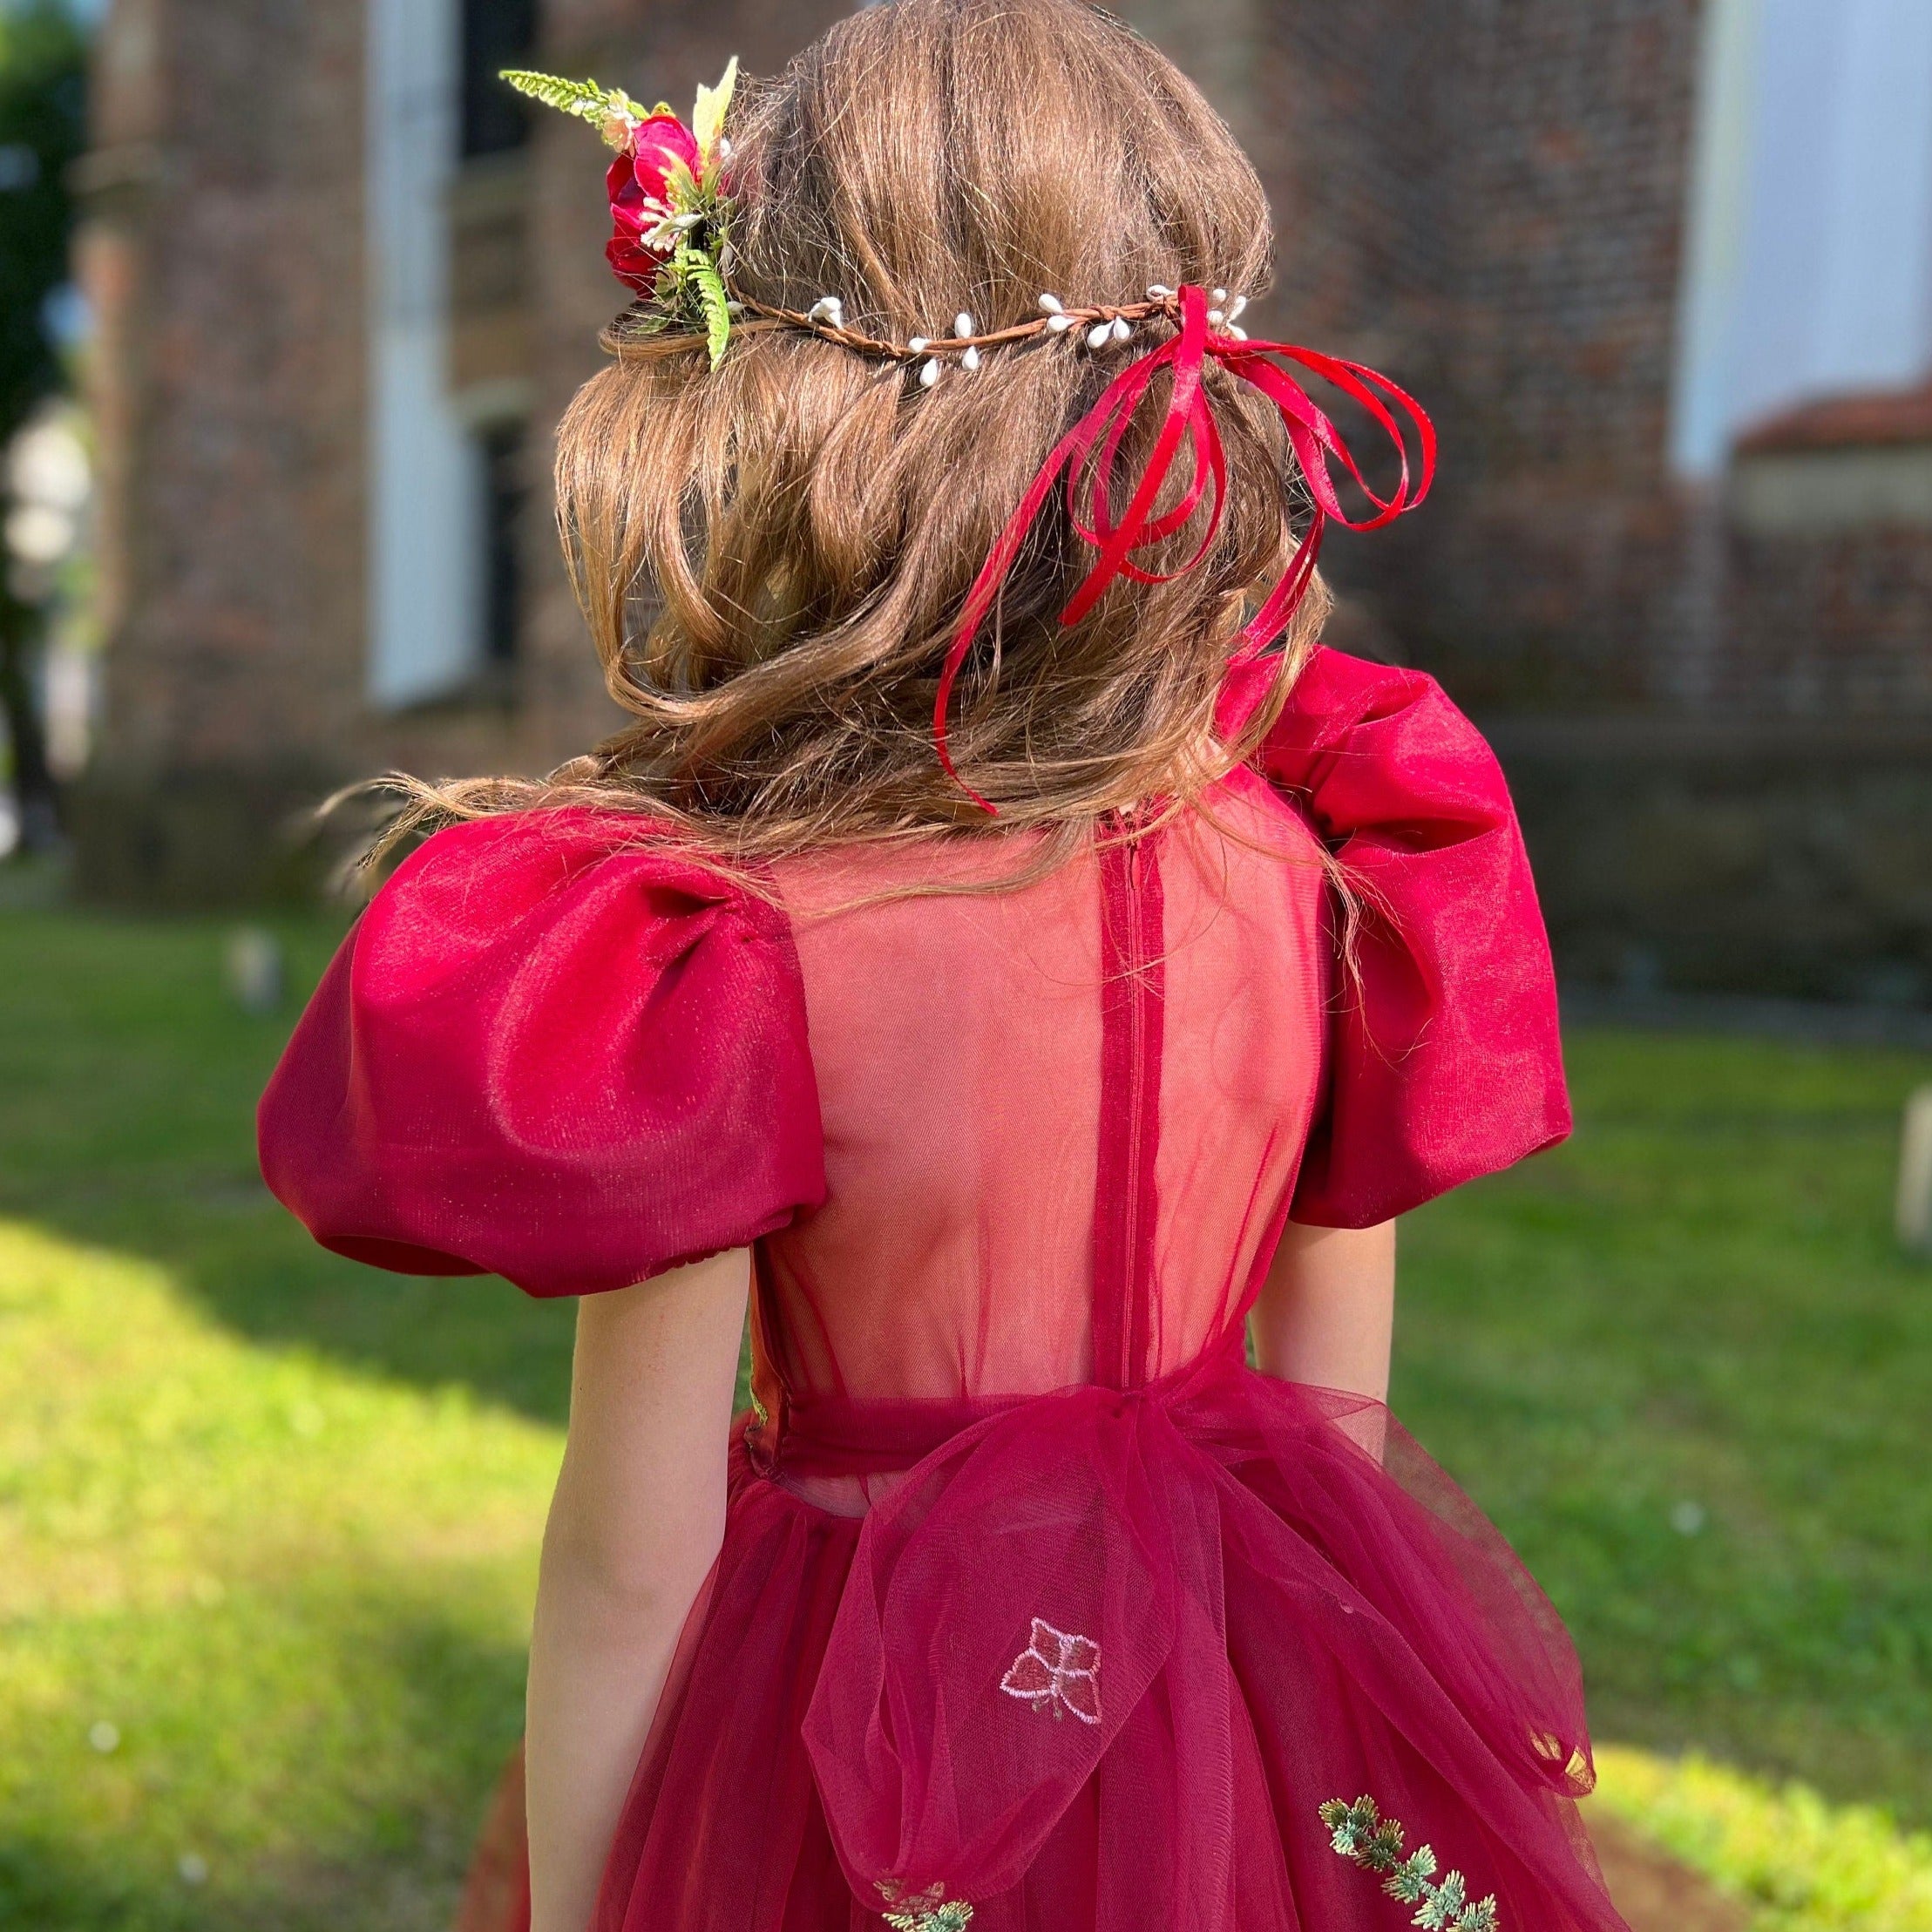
(1190, 421)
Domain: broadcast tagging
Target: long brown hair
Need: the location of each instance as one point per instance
(772, 554)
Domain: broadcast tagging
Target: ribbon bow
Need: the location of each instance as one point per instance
(1190, 420)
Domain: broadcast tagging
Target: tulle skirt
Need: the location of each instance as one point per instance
(1217, 1655)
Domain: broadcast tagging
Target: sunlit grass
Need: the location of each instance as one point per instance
(1800, 1863)
(1683, 1365)
(262, 1618)
(267, 1522)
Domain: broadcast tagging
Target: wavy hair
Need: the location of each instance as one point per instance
(772, 555)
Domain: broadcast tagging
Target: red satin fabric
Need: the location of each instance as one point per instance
(1447, 1032)
(551, 1050)
(1032, 1597)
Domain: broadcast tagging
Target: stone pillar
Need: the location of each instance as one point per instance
(228, 381)
(1915, 1188)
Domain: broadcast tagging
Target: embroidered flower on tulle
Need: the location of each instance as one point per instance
(927, 1911)
(1057, 1672)
(1360, 1832)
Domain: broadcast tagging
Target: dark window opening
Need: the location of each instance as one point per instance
(502, 447)
(496, 34)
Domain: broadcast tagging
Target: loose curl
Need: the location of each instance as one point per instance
(772, 555)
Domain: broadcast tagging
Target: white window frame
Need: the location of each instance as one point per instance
(426, 613)
(1809, 247)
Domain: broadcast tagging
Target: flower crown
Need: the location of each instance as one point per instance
(671, 215)
(672, 210)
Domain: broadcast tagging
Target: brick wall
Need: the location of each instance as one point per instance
(1830, 624)
(223, 257)
(1482, 197)
(1485, 201)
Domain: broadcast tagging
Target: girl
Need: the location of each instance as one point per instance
(1005, 946)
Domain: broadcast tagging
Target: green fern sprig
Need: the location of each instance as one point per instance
(714, 304)
(584, 99)
(1408, 1881)
(950, 1917)
(1360, 1832)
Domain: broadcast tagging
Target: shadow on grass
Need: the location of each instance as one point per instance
(128, 1082)
(265, 1280)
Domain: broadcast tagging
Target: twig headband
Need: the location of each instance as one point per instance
(672, 209)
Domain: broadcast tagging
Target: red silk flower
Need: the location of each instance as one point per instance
(639, 181)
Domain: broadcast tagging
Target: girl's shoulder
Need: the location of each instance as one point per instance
(556, 1047)
(1444, 1056)
(1358, 741)
(555, 861)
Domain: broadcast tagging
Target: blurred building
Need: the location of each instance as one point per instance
(1662, 269)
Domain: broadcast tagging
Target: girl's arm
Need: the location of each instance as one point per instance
(636, 1522)
(1326, 1313)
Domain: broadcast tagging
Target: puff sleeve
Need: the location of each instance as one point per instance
(554, 1049)
(1444, 1058)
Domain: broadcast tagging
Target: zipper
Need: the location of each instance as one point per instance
(1126, 1205)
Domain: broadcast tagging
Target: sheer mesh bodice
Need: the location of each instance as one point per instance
(1061, 1121)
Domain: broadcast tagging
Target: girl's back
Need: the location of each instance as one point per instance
(1062, 1124)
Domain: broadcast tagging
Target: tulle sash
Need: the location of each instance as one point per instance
(1037, 1612)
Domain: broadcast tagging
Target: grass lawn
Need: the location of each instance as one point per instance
(1683, 1364)
(267, 1522)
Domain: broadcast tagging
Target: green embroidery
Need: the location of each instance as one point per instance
(1360, 1832)
(927, 1911)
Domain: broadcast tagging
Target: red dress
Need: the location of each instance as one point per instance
(1036, 1605)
